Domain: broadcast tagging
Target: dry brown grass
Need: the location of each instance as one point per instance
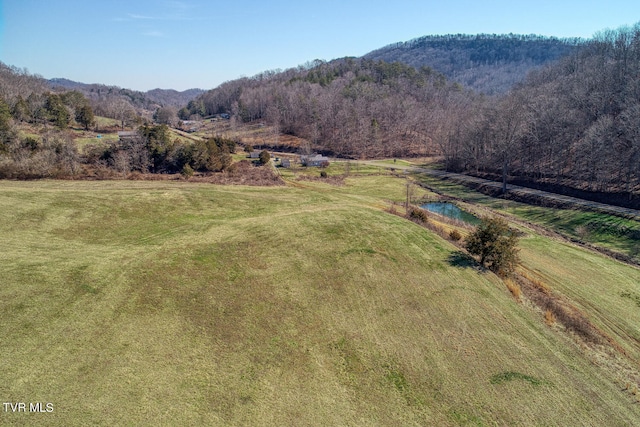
(535, 281)
(514, 288)
(560, 308)
(241, 173)
(265, 136)
(455, 235)
(549, 318)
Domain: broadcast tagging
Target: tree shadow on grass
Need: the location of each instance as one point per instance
(462, 260)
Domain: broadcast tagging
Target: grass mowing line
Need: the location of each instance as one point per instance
(238, 325)
(596, 321)
(511, 375)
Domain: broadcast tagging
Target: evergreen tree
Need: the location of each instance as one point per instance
(84, 116)
(158, 145)
(5, 117)
(496, 245)
(56, 111)
(265, 157)
(20, 110)
(6, 132)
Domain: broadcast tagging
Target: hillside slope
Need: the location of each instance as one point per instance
(103, 93)
(177, 303)
(487, 63)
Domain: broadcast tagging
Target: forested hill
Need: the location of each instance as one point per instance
(574, 124)
(487, 63)
(148, 100)
(350, 107)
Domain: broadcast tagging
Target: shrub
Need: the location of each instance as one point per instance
(187, 171)
(418, 215)
(455, 235)
(265, 157)
(323, 174)
(496, 244)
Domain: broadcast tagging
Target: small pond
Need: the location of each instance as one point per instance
(452, 211)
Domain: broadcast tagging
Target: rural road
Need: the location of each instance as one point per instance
(515, 189)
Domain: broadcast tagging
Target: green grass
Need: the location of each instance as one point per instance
(82, 142)
(335, 168)
(504, 377)
(391, 162)
(103, 122)
(173, 303)
(607, 231)
(598, 286)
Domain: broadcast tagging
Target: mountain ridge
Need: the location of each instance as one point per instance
(487, 63)
(162, 97)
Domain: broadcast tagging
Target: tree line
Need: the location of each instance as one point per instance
(574, 124)
(348, 107)
(488, 63)
(36, 141)
(571, 125)
(152, 150)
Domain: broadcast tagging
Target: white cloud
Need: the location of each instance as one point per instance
(153, 34)
(144, 17)
(178, 4)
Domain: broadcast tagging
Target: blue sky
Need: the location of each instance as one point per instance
(145, 44)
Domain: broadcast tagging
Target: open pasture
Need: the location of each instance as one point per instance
(176, 303)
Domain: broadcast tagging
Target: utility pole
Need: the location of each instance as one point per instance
(406, 205)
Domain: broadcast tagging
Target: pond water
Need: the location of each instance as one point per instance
(452, 211)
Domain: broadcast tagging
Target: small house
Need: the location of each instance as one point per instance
(127, 135)
(285, 163)
(255, 154)
(316, 160)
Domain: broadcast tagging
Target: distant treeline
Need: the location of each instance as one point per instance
(348, 107)
(573, 123)
(151, 100)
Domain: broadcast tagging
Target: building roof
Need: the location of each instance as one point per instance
(127, 134)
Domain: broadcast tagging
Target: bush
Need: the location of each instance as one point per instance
(496, 244)
(265, 157)
(418, 215)
(187, 171)
(455, 235)
(323, 174)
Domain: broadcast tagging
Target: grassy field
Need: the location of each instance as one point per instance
(174, 303)
(608, 292)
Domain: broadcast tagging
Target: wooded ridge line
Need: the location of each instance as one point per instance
(571, 123)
